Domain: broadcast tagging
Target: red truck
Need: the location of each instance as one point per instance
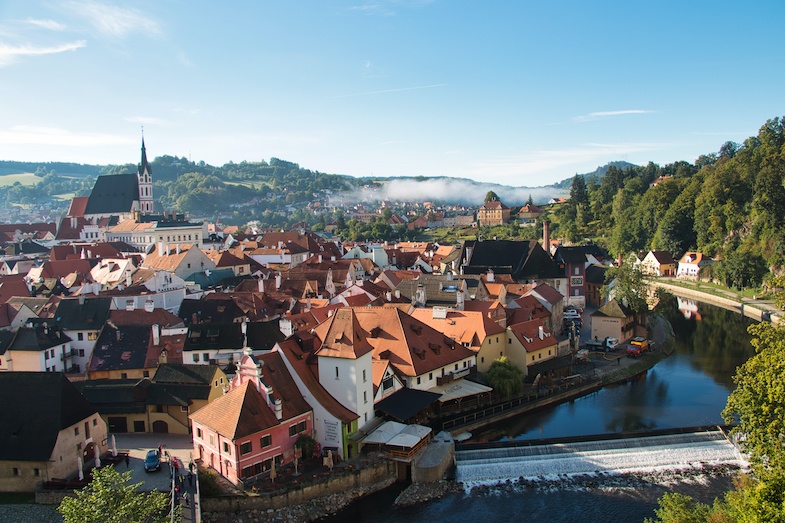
(637, 346)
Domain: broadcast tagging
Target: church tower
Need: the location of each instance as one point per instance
(145, 176)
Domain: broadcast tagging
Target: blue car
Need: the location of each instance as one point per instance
(152, 461)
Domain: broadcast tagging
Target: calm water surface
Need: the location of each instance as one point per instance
(689, 388)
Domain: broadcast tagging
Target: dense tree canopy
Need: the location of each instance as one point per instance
(111, 498)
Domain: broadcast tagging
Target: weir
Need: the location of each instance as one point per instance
(616, 456)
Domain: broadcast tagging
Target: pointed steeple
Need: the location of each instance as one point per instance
(144, 166)
(145, 183)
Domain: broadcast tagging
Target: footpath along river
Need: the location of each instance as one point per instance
(689, 388)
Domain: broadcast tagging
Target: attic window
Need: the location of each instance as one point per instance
(435, 347)
(419, 352)
(375, 332)
(416, 328)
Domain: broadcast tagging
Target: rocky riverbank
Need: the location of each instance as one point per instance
(420, 492)
(603, 480)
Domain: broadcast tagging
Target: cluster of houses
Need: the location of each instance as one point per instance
(257, 341)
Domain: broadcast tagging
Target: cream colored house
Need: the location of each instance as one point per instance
(49, 430)
(529, 343)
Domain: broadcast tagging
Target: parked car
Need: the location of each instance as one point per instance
(152, 461)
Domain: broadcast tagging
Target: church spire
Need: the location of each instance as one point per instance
(144, 166)
(145, 183)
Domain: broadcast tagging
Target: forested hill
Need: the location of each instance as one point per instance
(729, 205)
(596, 175)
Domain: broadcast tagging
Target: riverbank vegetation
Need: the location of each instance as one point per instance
(757, 405)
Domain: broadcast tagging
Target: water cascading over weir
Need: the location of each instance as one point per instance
(611, 456)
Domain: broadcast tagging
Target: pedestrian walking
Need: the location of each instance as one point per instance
(127, 462)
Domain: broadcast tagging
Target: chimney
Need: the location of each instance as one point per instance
(320, 258)
(128, 280)
(546, 236)
(178, 248)
(278, 409)
(541, 332)
(130, 304)
(118, 335)
(388, 295)
(459, 300)
(278, 281)
(260, 285)
(164, 357)
(490, 276)
(156, 335)
(149, 306)
(81, 299)
(397, 293)
(167, 249)
(308, 304)
(160, 248)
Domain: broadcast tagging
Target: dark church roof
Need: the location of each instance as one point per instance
(43, 404)
(524, 259)
(113, 194)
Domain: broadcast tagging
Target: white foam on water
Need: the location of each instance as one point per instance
(550, 463)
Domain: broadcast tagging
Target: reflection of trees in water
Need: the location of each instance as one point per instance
(529, 425)
(645, 392)
(718, 343)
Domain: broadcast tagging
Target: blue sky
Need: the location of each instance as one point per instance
(520, 93)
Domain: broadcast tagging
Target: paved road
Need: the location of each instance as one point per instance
(177, 449)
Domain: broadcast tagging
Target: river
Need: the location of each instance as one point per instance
(689, 388)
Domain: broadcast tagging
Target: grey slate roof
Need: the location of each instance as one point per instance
(184, 374)
(43, 403)
(38, 338)
(214, 336)
(128, 352)
(90, 315)
(113, 194)
(524, 260)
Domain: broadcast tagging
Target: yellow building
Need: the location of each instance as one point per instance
(493, 213)
(161, 404)
(530, 343)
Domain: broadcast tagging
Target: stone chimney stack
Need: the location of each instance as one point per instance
(546, 236)
(156, 335)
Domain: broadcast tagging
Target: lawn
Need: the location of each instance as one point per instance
(23, 178)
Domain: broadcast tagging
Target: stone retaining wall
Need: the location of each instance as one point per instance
(374, 474)
(748, 309)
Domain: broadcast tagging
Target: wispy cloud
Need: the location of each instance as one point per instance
(46, 24)
(115, 21)
(396, 90)
(9, 53)
(606, 114)
(530, 167)
(26, 135)
(147, 120)
(388, 7)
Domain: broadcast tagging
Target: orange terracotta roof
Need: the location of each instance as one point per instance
(528, 335)
(462, 326)
(239, 413)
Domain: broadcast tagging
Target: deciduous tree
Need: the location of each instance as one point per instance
(111, 498)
